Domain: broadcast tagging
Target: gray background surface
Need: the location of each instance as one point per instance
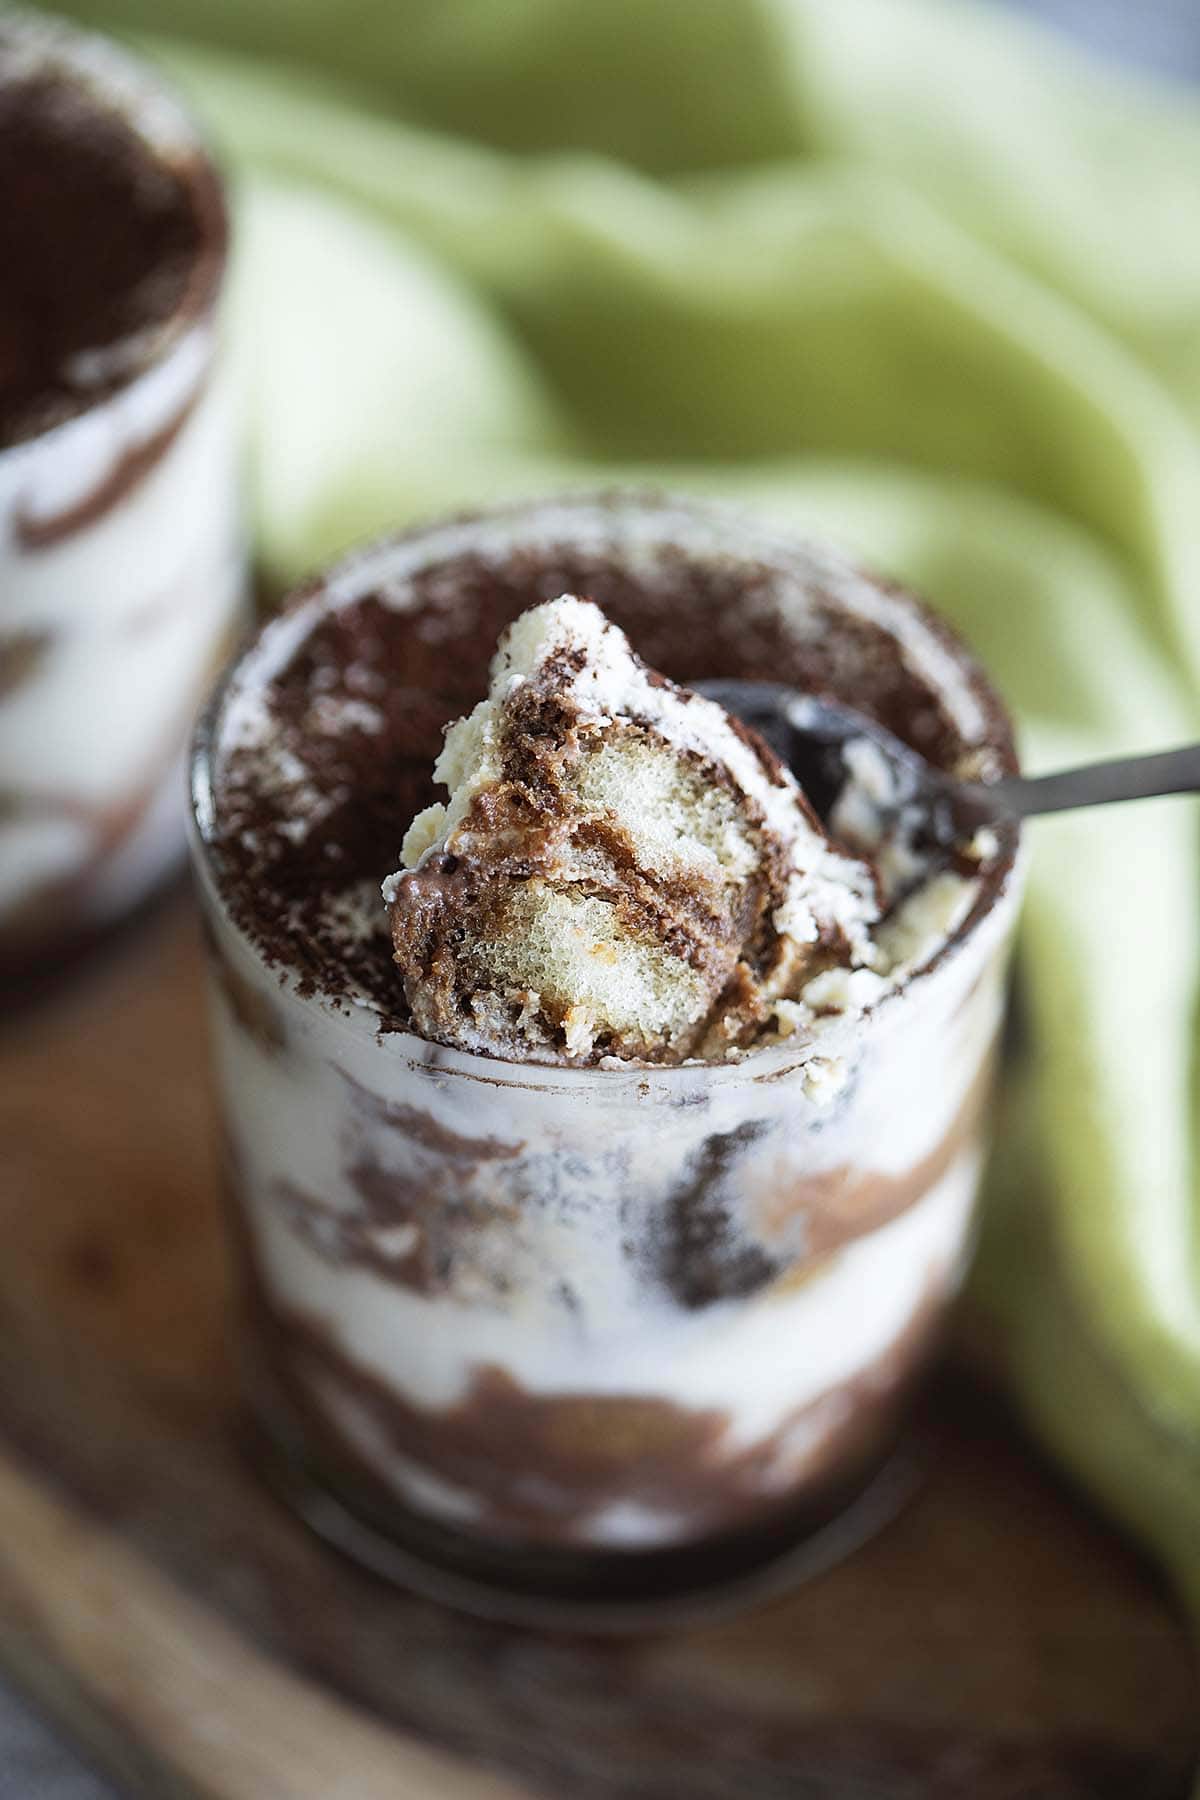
(1162, 35)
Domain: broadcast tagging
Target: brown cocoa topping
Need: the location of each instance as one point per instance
(103, 242)
(424, 664)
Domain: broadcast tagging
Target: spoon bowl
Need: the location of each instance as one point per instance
(817, 738)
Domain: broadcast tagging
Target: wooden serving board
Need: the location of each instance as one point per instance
(996, 1640)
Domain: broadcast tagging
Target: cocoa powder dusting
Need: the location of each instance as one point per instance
(102, 243)
(356, 720)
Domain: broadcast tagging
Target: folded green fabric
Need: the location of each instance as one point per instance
(899, 271)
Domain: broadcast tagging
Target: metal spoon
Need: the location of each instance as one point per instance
(812, 736)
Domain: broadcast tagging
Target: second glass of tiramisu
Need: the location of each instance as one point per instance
(120, 549)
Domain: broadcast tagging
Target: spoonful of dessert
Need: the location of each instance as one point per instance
(836, 752)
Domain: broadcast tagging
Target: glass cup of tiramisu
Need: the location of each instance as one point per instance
(603, 1125)
(120, 554)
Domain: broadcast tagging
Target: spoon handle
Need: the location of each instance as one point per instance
(1098, 784)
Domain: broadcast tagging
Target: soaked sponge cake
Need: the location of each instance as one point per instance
(621, 870)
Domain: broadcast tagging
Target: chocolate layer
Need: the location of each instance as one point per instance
(61, 908)
(541, 1467)
(118, 481)
(21, 656)
(71, 909)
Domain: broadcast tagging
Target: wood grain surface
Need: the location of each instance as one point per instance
(996, 1640)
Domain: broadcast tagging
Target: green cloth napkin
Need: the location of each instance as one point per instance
(899, 271)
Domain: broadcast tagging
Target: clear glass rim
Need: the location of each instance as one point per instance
(358, 572)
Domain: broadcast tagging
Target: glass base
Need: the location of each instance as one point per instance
(603, 1591)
